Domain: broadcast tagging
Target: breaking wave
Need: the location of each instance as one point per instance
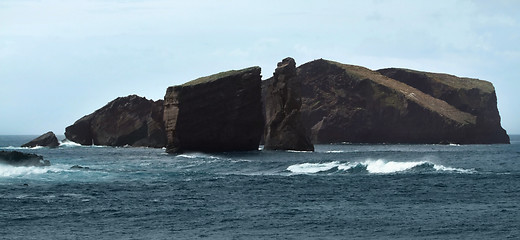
(68, 143)
(373, 167)
(7, 171)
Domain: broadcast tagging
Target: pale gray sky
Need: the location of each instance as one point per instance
(63, 59)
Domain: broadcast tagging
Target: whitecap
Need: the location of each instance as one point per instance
(68, 143)
(306, 168)
(21, 148)
(381, 166)
(197, 155)
(12, 171)
(374, 167)
(297, 151)
(186, 156)
(451, 169)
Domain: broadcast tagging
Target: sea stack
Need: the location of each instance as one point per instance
(48, 139)
(284, 129)
(131, 120)
(218, 113)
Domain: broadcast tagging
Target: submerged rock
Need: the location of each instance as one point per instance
(131, 120)
(284, 128)
(347, 103)
(20, 159)
(78, 167)
(222, 112)
(48, 139)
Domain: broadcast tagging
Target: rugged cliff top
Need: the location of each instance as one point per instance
(449, 80)
(429, 102)
(220, 75)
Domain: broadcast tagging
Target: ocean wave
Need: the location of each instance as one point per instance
(373, 167)
(197, 156)
(312, 167)
(7, 171)
(68, 143)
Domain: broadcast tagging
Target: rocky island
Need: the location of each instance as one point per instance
(318, 102)
(132, 120)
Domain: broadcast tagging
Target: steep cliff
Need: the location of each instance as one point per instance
(284, 128)
(474, 96)
(222, 112)
(346, 103)
(130, 120)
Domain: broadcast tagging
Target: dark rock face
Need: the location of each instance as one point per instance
(21, 159)
(222, 112)
(46, 140)
(473, 96)
(130, 120)
(345, 103)
(284, 128)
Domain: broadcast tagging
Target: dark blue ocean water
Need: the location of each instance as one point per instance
(337, 192)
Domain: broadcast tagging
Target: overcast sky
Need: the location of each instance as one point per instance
(63, 59)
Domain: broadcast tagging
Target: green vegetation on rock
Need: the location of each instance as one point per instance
(217, 76)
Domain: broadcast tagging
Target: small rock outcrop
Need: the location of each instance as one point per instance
(131, 120)
(48, 139)
(20, 159)
(218, 113)
(284, 129)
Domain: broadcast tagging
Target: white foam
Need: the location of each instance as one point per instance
(372, 166)
(306, 168)
(335, 151)
(297, 151)
(380, 166)
(11, 171)
(451, 169)
(68, 143)
(20, 148)
(197, 155)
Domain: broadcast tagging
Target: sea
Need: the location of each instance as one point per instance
(340, 191)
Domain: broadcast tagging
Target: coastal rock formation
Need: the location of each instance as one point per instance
(131, 120)
(284, 128)
(222, 112)
(20, 159)
(46, 140)
(346, 103)
(474, 96)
